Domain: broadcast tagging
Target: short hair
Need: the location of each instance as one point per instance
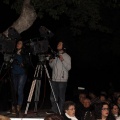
(54, 116)
(64, 44)
(67, 104)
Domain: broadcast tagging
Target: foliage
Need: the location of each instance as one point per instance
(80, 13)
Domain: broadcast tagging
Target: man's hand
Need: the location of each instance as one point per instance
(61, 57)
(51, 60)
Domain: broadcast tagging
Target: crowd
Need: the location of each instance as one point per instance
(91, 107)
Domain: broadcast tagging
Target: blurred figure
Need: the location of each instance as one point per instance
(118, 101)
(69, 111)
(93, 97)
(115, 111)
(4, 117)
(82, 97)
(103, 98)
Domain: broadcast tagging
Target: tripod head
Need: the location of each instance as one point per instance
(42, 57)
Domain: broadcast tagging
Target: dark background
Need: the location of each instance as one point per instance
(95, 62)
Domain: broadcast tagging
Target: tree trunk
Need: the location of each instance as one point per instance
(26, 19)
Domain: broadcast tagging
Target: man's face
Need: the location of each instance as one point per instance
(86, 103)
(60, 46)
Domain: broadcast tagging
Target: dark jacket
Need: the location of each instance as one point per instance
(20, 63)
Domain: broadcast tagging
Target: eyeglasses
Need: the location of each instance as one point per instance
(105, 108)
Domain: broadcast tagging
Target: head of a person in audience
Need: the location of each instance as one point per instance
(82, 96)
(101, 111)
(69, 108)
(103, 98)
(115, 110)
(4, 117)
(53, 117)
(118, 101)
(87, 103)
(92, 95)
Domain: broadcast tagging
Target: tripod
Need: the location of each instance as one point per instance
(37, 83)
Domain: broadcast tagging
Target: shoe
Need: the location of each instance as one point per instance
(8, 112)
(50, 112)
(18, 108)
(13, 110)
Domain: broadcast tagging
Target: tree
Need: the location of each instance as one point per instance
(79, 13)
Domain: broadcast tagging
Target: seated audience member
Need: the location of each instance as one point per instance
(118, 101)
(103, 98)
(102, 112)
(82, 96)
(69, 111)
(115, 111)
(54, 116)
(85, 112)
(94, 98)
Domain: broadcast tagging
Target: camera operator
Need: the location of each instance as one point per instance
(19, 75)
(60, 65)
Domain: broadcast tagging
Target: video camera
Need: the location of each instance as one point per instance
(36, 46)
(40, 45)
(7, 44)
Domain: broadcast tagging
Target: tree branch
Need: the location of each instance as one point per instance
(26, 19)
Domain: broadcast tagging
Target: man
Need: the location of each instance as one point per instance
(60, 68)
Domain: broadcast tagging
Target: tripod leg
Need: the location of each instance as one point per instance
(30, 95)
(52, 88)
(38, 85)
(1, 68)
(37, 93)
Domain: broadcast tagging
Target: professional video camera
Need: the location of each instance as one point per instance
(40, 46)
(36, 46)
(7, 44)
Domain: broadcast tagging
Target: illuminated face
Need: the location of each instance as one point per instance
(115, 110)
(86, 103)
(105, 111)
(71, 111)
(60, 46)
(19, 45)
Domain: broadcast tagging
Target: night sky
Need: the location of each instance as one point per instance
(95, 62)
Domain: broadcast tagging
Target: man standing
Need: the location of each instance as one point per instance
(60, 67)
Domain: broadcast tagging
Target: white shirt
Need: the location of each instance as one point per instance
(72, 118)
